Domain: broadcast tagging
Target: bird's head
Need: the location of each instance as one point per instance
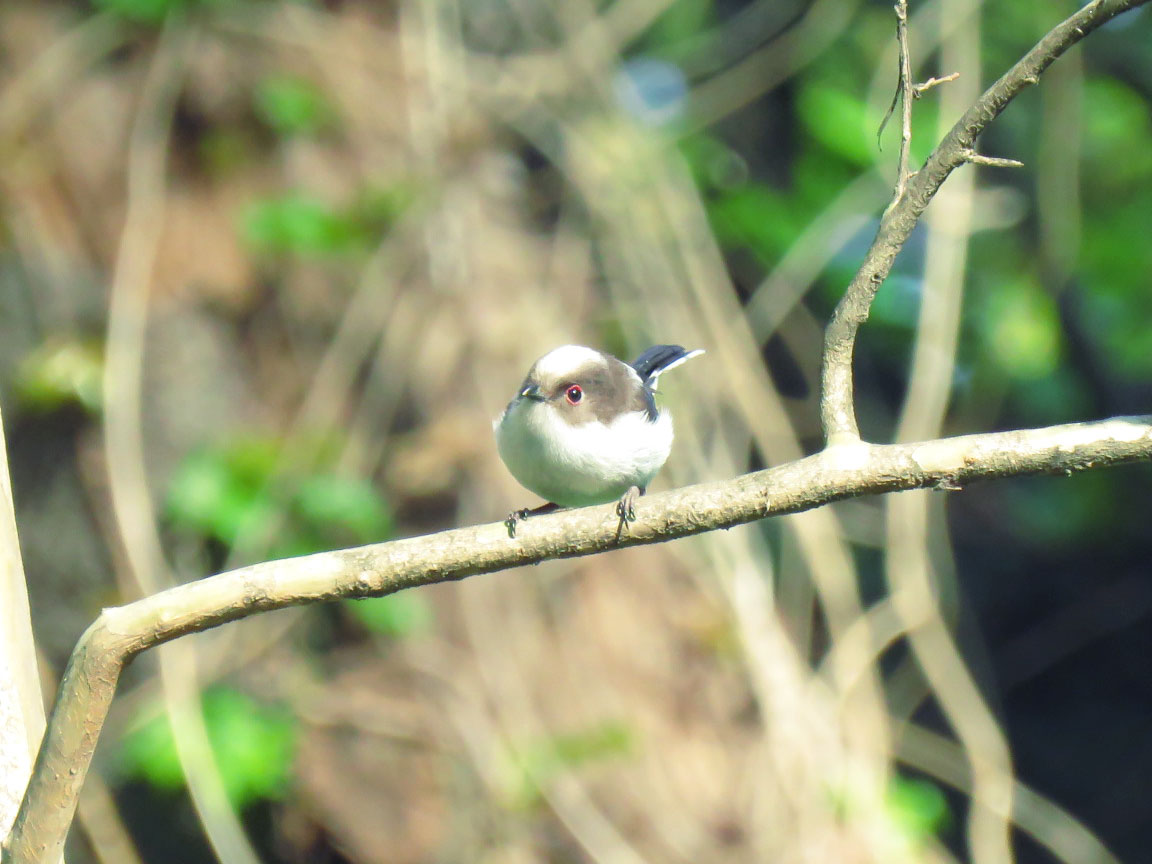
(583, 385)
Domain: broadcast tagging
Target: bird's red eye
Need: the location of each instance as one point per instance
(574, 394)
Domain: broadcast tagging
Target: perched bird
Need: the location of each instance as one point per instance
(584, 428)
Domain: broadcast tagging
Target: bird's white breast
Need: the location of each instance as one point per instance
(578, 465)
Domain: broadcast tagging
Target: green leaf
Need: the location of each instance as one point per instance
(605, 740)
(247, 489)
(141, 11)
(918, 808)
(1021, 330)
(200, 488)
(376, 209)
(61, 373)
(396, 615)
(1116, 260)
(840, 121)
(291, 106)
(152, 11)
(252, 459)
(148, 752)
(301, 225)
(682, 20)
(818, 180)
(212, 493)
(755, 217)
(253, 746)
(343, 506)
(1117, 129)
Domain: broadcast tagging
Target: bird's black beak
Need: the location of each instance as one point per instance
(532, 391)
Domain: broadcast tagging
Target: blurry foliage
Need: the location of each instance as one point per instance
(755, 217)
(239, 490)
(154, 11)
(223, 152)
(1013, 331)
(403, 614)
(1021, 328)
(238, 493)
(1049, 517)
(60, 373)
(253, 745)
(534, 766)
(303, 225)
(682, 21)
(1116, 254)
(291, 106)
(839, 120)
(918, 808)
(1115, 116)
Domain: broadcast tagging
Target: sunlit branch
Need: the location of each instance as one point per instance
(119, 634)
(837, 401)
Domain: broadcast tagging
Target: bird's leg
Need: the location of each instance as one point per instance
(626, 508)
(517, 516)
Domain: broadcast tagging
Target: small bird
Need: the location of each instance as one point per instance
(584, 428)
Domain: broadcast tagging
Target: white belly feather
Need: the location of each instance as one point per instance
(575, 466)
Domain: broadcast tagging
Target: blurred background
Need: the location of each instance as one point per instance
(269, 269)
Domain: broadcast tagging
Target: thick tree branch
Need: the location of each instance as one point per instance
(370, 571)
(837, 399)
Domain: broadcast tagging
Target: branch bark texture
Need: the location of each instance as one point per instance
(839, 472)
(837, 409)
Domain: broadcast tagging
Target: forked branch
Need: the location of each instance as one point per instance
(837, 399)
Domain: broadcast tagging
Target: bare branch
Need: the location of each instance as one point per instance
(975, 158)
(837, 408)
(920, 89)
(905, 101)
(836, 473)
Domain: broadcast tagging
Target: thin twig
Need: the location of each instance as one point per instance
(906, 97)
(837, 409)
(974, 158)
(922, 88)
(119, 634)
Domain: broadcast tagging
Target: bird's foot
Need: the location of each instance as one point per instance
(518, 516)
(626, 508)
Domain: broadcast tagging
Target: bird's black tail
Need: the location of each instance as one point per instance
(659, 359)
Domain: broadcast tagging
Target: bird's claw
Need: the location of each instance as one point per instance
(626, 508)
(514, 519)
(518, 516)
